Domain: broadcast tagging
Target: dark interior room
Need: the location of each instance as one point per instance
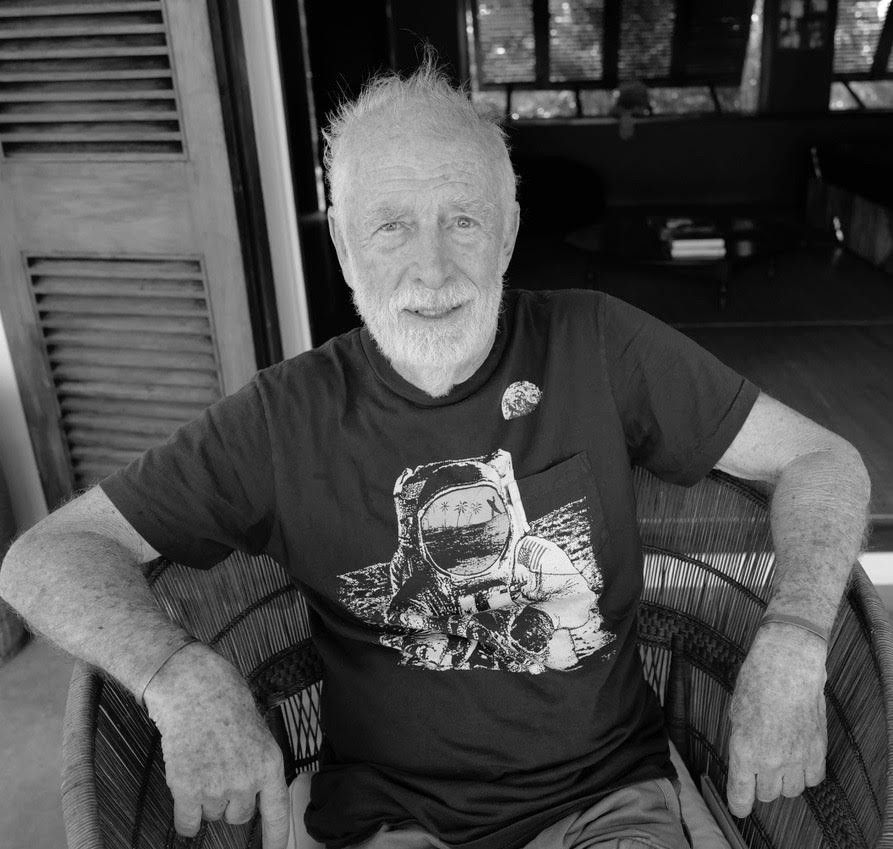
(723, 165)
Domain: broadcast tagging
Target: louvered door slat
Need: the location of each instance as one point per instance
(85, 137)
(129, 376)
(111, 456)
(87, 117)
(109, 14)
(110, 109)
(32, 10)
(51, 64)
(37, 55)
(70, 31)
(61, 76)
(41, 96)
(76, 267)
(145, 151)
(149, 359)
(138, 304)
(80, 110)
(174, 326)
(145, 342)
(129, 345)
(97, 286)
(132, 408)
(157, 429)
(52, 60)
(107, 438)
(137, 393)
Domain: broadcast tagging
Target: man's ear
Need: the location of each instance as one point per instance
(336, 231)
(510, 233)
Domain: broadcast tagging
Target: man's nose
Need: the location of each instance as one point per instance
(433, 265)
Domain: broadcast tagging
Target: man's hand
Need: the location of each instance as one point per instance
(779, 733)
(218, 753)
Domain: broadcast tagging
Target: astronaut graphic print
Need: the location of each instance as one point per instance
(473, 584)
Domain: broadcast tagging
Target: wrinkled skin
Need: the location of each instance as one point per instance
(220, 758)
(779, 733)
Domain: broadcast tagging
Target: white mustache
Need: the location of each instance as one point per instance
(439, 301)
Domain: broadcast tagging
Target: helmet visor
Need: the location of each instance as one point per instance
(465, 530)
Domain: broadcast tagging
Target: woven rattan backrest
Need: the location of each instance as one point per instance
(249, 610)
(708, 571)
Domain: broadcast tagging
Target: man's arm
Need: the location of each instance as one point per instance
(818, 517)
(75, 577)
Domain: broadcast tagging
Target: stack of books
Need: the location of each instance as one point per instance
(692, 239)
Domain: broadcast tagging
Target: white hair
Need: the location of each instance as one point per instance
(437, 107)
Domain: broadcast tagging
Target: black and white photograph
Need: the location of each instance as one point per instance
(446, 424)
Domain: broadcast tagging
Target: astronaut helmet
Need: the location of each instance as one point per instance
(462, 517)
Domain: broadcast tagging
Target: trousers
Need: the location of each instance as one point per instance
(646, 815)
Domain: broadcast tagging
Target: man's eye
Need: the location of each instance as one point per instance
(390, 227)
(463, 222)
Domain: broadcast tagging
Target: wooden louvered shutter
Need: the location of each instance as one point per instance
(121, 282)
(130, 351)
(87, 78)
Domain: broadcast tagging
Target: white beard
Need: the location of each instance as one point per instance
(432, 353)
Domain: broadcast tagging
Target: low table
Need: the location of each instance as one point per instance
(639, 239)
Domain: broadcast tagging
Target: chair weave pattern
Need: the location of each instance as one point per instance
(708, 571)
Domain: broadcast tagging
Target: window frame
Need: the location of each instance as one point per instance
(610, 44)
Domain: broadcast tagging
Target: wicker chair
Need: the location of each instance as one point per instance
(708, 569)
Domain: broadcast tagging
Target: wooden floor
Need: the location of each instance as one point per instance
(813, 328)
(838, 376)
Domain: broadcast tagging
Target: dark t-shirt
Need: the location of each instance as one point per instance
(472, 562)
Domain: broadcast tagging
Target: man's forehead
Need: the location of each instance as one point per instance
(381, 188)
(451, 176)
(395, 204)
(421, 156)
(403, 152)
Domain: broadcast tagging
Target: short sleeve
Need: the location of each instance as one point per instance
(207, 490)
(680, 406)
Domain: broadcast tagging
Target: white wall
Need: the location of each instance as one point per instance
(878, 565)
(268, 111)
(16, 455)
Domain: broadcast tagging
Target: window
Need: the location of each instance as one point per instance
(551, 58)
(863, 60)
(567, 58)
(575, 49)
(857, 36)
(505, 45)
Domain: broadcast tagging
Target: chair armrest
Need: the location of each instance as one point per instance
(113, 787)
(79, 805)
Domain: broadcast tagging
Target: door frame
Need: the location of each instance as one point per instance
(259, 159)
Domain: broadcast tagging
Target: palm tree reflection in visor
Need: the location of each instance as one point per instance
(464, 531)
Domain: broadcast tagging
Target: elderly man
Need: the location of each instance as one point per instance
(450, 487)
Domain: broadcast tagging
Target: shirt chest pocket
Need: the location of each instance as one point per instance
(562, 504)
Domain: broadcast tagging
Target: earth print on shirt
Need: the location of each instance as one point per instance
(472, 584)
(520, 399)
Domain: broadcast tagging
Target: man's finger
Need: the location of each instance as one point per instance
(815, 771)
(768, 784)
(793, 782)
(213, 807)
(740, 792)
(240, 809)
(187, 814)
(275, 813)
